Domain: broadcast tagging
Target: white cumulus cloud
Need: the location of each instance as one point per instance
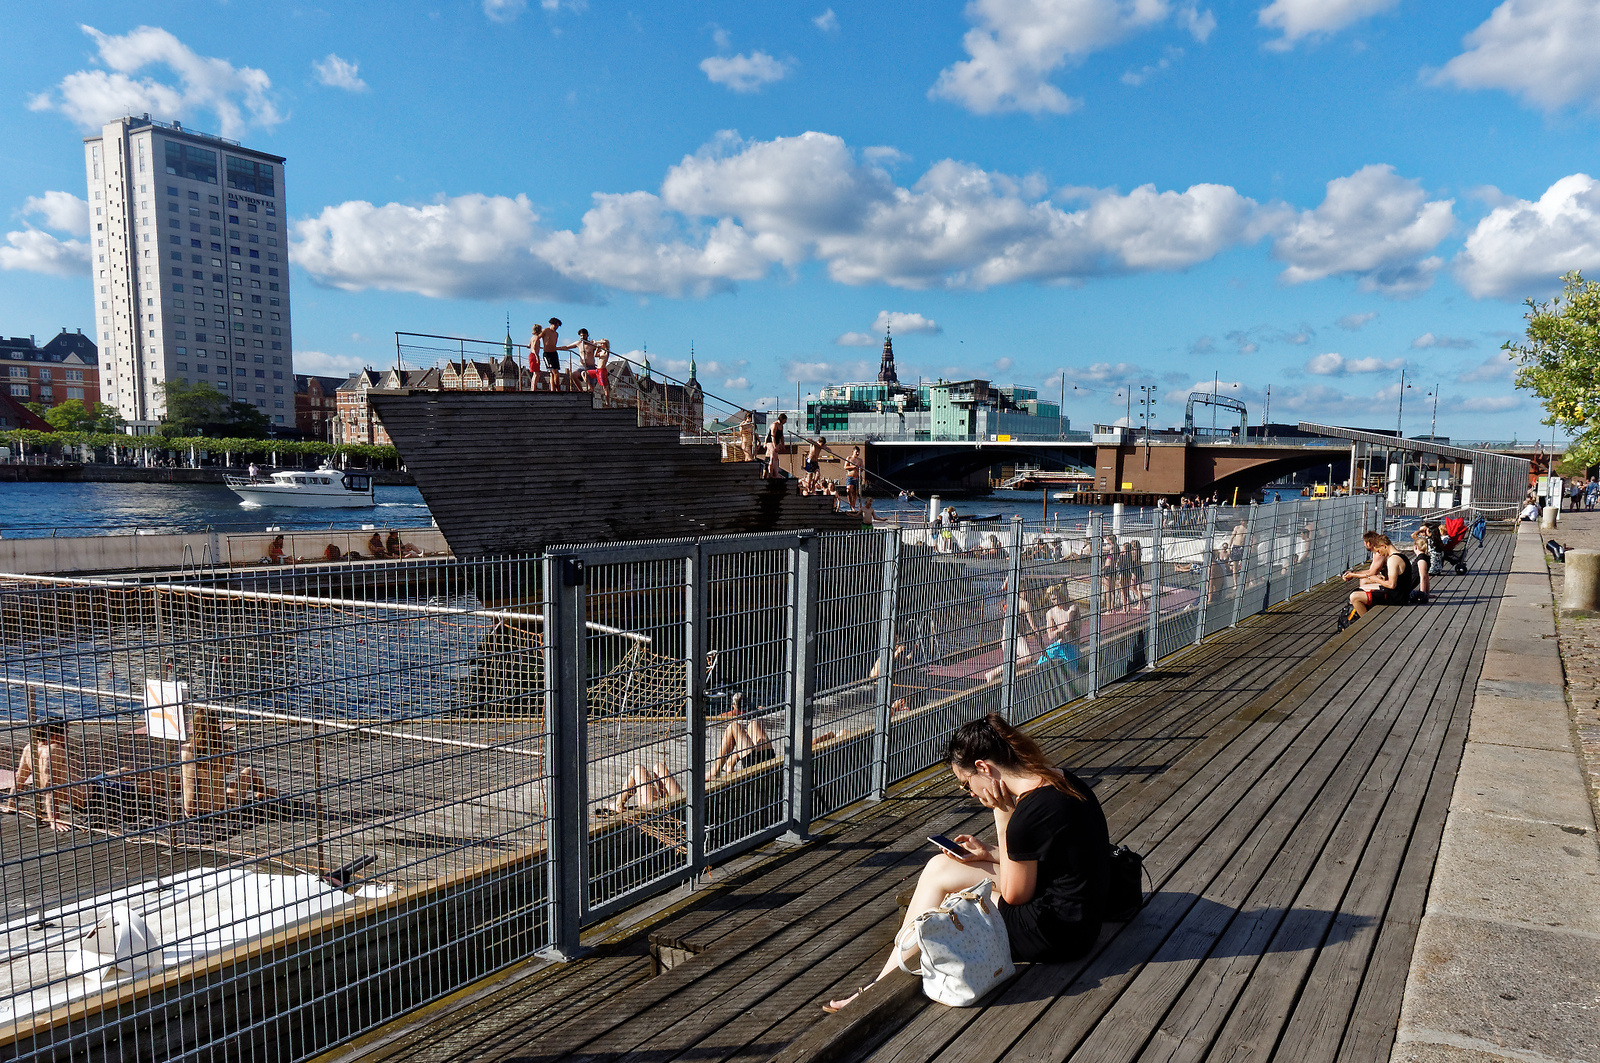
(321, 363)
(472, 246)
(37, 251)
(743, 73)
(1428, 339)
(799, 372)
(1373, 225)
(856, 339)
(629, 242)
(1521, 248)
(339, 73)
(737, 210)
(1332, 364)
(504, 10)
(905, 324)
(1353, 322)
(736, 383)
(61, 211)
(1015, 46)
(827, 22)
(40, 252)
(1304, 18)
(1501, 365)
(237, 97)
(1545, 51)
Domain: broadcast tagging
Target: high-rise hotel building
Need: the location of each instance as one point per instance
(191, 268)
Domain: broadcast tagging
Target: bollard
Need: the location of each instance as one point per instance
(1581, 590)
(1547, 518)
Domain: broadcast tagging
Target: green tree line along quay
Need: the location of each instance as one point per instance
(199, 418)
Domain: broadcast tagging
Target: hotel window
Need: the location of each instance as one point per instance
(75, 393)
(74, 374)
(19, 370)
(46, 392)
(183, 367)
(19, 391)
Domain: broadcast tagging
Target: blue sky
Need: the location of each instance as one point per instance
(1310, 195)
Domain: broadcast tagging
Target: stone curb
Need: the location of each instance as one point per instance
(1507, 950)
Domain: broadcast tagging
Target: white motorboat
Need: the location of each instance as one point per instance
(321, 488)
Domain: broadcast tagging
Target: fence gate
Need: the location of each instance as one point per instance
(679, 675)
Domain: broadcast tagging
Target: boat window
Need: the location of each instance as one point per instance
(326, 480)
(299, 479)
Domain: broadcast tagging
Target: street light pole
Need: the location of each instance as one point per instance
(1061, 411)
(1148, 400)
(1399, 417)
(1216, 375)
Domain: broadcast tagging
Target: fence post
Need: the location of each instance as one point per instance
(1153, 598)
(1008, 626)
(1204, 599)
(803, 659)
(887, 606)
(566, 778)
(1242, 576)
(696, 605)
(1096, 562)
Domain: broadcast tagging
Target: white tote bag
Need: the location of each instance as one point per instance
(965, 951)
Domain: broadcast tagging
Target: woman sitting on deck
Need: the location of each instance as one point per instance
(206, 761)
(1051, 859)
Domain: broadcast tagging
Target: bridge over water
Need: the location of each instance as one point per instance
(1135, 468)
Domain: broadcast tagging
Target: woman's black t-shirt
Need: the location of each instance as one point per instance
(1069, 839)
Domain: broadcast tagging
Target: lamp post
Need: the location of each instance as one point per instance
(1266, 415)
(1148, 401)
(1061, 411)
(1399, 416)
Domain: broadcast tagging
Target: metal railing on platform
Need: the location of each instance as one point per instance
(260, 812)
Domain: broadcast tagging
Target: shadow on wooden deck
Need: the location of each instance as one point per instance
(1288, 786)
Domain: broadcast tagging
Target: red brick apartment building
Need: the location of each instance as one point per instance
(67, 367)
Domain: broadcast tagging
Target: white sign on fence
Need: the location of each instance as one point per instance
(163, 709)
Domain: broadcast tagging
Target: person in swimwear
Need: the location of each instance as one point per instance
(854, 470)
(550, 349)
(587, 375)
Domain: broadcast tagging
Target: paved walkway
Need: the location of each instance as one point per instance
(1507, 960)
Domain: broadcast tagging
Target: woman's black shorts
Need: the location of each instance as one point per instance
(1054, 942)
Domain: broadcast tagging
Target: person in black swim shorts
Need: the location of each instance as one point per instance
(1392, 581)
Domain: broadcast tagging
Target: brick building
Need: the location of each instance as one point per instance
(66, 367)
(355, 421)
(316, 405)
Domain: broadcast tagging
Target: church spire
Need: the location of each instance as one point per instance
(886, 373)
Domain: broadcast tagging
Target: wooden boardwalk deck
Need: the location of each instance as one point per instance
(1288, 786)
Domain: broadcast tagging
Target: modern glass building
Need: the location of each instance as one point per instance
(190, 261)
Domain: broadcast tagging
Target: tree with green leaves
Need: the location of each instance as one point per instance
(201, 410)
(74, 416)
(1559, 361)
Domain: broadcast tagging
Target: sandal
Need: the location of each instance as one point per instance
(833, 1007)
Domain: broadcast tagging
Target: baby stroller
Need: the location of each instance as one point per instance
(1453, 534)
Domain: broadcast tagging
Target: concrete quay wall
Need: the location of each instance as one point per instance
(86, 554)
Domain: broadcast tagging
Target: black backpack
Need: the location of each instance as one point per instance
(1124, 885)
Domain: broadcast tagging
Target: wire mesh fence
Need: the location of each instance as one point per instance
(259, 812)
